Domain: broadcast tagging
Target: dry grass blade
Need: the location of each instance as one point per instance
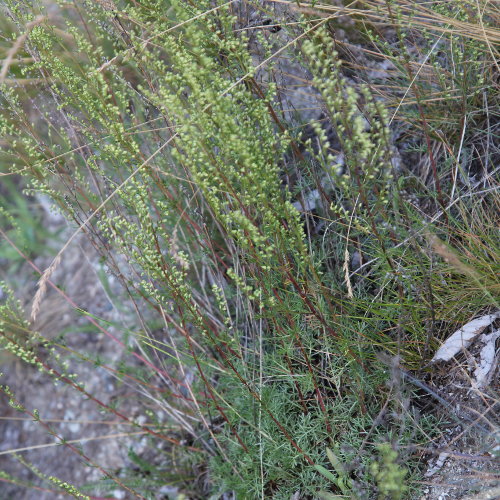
(411, 13)
(17, 46)
(42, 287)
(450, 256)
(74, 441)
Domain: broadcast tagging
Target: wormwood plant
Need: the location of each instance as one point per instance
(152, 132)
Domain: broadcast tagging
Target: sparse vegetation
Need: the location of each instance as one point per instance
(279, 278)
